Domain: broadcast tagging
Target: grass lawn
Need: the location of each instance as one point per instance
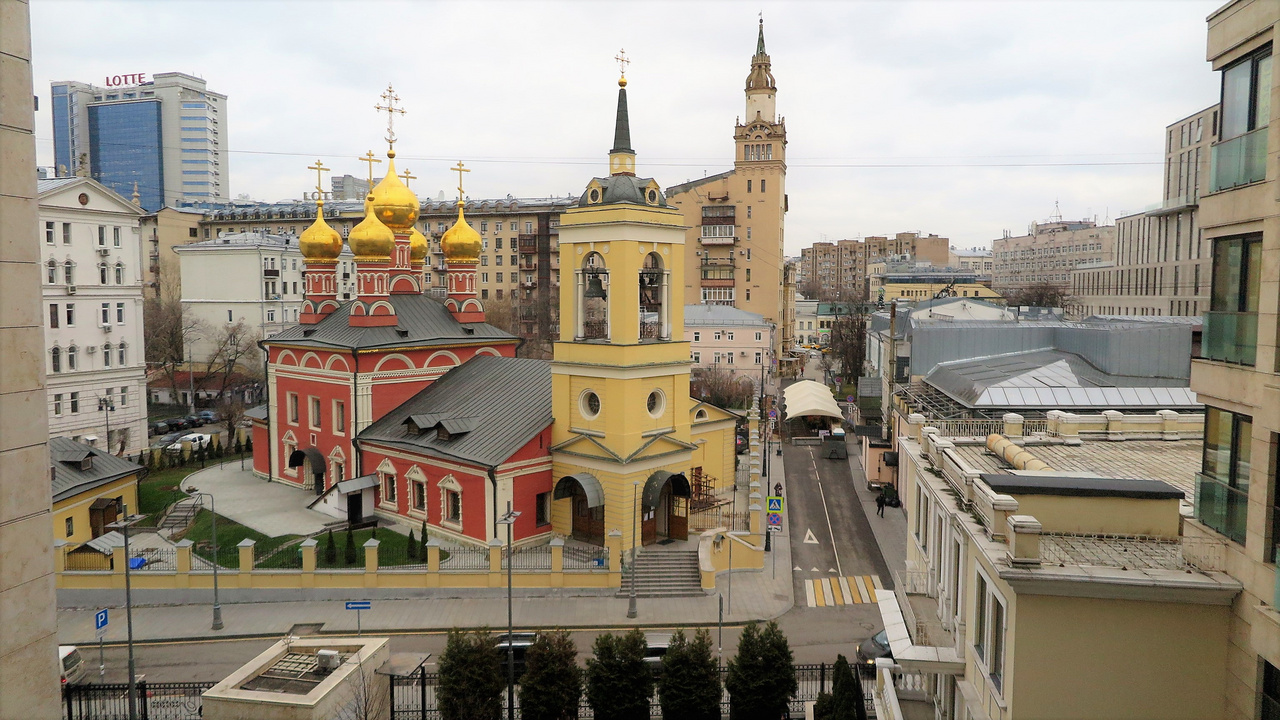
(393, 549)
(159, 490)
(229, 536)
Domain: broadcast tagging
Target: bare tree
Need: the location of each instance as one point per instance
(720, 388)
(848, 344)
(1043, 294)
(168, 328)
(233, 360)
(369, 697)
(502, 315)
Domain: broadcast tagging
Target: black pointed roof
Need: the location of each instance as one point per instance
(622, 126)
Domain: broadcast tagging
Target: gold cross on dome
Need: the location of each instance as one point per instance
(391, 98)
(623, 62)
(407, 177)
(319, 168)
(370, 158)
(460, 168)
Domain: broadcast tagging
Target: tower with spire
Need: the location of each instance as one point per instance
(734, 245)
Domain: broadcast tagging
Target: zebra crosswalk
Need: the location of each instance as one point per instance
(836, 590)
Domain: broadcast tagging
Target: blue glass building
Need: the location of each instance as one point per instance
(125, 147)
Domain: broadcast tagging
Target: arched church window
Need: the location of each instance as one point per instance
(593, 298)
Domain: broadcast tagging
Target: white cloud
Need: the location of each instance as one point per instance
(524, 93)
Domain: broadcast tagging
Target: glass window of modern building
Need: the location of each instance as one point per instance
(125, 147)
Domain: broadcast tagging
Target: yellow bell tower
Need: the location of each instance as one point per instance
(621, 444)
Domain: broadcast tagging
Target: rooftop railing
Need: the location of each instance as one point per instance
(1239, 161)
(1230, 337)
(1221, 507)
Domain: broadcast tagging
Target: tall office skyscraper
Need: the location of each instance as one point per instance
(167, 134)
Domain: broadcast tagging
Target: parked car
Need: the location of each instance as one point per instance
(166, 440)
(178, 423)
(193, 421)
(657, 647)
(876, 646)
(520, 643)
(741, 444)
(207, 416)
(157, 428)
(197, 440)
(73, 667)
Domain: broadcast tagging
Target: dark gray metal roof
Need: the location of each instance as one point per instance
(686, 186)
(257, 413)
(1053, 380)
(1081, 486)
(506, 401)
(421, 320)
(69, 480)
(870, 387)
(622, 189)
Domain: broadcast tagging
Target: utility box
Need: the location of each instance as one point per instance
(833, 445)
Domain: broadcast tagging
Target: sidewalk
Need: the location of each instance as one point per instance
(187, 614)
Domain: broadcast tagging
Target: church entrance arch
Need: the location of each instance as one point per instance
(664, 508)
(588, 506)
(313, 465)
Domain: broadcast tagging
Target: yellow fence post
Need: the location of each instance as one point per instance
(182, 560)
(557, 562)
(246, 562)
(433, 562)
(309, 562)
(614, 544)
(371, 562)
(118, 563)
(495, 563)
(60, 556)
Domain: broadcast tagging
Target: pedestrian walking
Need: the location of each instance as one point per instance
(880, 503)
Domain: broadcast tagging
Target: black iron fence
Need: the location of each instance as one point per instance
(156, 701)
(413, 697)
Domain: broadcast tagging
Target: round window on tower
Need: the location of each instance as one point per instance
(656, 403)
(653, 196)
(594, 195)
(589, 404)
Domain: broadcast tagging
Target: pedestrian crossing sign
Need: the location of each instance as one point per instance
(775, 503)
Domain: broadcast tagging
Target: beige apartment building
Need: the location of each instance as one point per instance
(1236, 499)
(1161, 264)
(734, 245)
(162, 231)
(1049, 252)
(839, 270)
(29, 685)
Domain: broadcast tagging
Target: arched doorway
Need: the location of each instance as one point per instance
(313, 465)
(587, 507)
(664, 508)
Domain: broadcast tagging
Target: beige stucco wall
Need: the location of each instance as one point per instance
(1107, 515)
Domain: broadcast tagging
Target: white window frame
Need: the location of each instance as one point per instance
(991, 649)
(387, 484)
(449, 484)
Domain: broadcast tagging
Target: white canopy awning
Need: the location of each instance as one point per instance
(809, 398)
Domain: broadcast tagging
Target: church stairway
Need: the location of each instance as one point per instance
(664, 573)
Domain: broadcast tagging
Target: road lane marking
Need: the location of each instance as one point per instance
(844, 590)
(809, 539)
(832, 591)
(876, 578)
(862, 590)
(817, 593)
(808, 593)
(830, 532)
(871, 587)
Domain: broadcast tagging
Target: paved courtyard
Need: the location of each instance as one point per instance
(270, 508)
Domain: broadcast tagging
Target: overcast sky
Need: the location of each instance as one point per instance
(956, 118)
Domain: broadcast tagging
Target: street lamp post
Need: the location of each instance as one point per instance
(632, 612)
(509, 520)
(213, 522)
(123, 526)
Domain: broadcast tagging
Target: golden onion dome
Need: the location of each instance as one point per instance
(371, 239)
(320, 242)
(461, 244)
(417, 245)
(393, 202)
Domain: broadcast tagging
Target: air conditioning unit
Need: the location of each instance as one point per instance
(91, 349)
(104, 251)
(275, 296)
(71, 289)
(328, 660)
(106, 327)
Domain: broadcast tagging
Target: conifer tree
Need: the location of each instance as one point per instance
(422, 551)
(349, 552)
(762, 677)
(471, 680)
(690, 683)
(411, 547)
(330, 549)
(551, 687)
(619, 684)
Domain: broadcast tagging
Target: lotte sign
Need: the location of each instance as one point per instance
(122, 80)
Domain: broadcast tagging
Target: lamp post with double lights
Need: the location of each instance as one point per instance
(213, 522)
(509, 520)
(635, 525)
(123, 525)
(107, 406)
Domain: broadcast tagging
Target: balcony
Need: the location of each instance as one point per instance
(712, 241)
(1230, 337)
(1239, 161)
(270, 272)
(1221, 506)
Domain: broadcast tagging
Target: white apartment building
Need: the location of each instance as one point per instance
(253, 278)
(1049, 252)
(735, 340)
(807, 324)
(92, 293)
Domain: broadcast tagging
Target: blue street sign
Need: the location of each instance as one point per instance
(359, 605)
(775, 504)
(773, 414)
(774, 519)
(100, 620)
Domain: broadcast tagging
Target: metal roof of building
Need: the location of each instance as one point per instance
(421, 320)
(1054, 380)
(1076, 486)
(497, 404)
(44, 186)
(720, 315)
(1192, 320)
(69, 480)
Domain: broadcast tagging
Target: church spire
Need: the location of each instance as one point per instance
(622, 159)
(760, 40)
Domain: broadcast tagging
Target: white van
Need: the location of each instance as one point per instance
(73, 668)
